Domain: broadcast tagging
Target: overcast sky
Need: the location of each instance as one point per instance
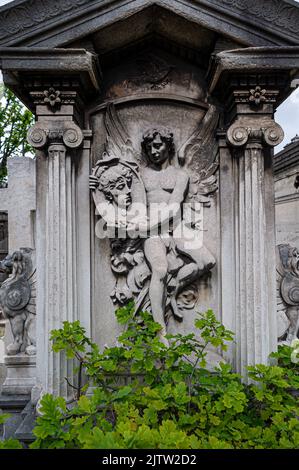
(287, 114)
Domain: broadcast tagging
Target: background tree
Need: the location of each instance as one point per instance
(15, 120)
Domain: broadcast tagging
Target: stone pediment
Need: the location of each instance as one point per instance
(62, 22)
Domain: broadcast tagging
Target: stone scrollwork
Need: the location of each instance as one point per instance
(28, 15)
(67, 131)
(287, 292)
(17, 301)
(237, 136)
(37, 136)
(280, 14)
(157, 251)
(242, 133)
(24, 17)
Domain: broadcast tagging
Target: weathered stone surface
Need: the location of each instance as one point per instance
(287, 260)
(14, 405)
(154, 74)
(19, 201)
(20, 375)
(30, 22)
(286, 177)
(159, 271)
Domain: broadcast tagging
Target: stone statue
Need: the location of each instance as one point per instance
(17, 300)
(161, 254)
(288, 292)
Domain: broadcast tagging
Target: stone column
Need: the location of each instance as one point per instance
(250, 138)
(249, 83)
(59, 142)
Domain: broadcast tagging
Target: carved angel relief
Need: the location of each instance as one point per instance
(150, 204)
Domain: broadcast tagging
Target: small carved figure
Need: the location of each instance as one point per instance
(17, 300)
(288, 292)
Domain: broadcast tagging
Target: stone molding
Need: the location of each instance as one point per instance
(32, 72)
(282, 14)
(275, 18)
(254, 62)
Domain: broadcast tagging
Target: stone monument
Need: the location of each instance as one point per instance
(154, 141)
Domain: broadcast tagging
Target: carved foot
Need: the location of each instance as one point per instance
(30, 350)
(13, 349)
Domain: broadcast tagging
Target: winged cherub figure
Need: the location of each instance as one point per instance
(169, 251)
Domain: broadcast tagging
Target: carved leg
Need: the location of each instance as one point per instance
(155, 253)
(29, 330)
(17, 328)
(293, 316)
(203, 258)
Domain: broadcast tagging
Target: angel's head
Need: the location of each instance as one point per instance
(158, 146)
(115, 182)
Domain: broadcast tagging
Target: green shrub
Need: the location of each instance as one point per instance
(145, 395)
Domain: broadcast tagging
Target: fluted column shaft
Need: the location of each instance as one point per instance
(57, 224)
(255, 319)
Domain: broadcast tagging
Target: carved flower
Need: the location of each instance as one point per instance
(52, 97)
(257, 96)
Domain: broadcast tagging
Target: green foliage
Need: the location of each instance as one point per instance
(146, 395)
(15, 121)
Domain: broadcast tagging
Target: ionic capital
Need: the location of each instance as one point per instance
(242, 133)
(43, 134)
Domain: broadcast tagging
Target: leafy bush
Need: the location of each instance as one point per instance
(145, 395)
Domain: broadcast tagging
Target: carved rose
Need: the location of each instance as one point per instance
(52, 97)
(257, 96)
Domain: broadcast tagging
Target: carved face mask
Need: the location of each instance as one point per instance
(120, 192)
(157, 150)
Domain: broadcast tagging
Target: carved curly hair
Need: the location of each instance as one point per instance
(112, 174)
(166, 136)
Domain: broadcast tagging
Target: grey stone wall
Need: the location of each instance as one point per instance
(286, 170)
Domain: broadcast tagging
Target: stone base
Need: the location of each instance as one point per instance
(14, 405)
(20, 375)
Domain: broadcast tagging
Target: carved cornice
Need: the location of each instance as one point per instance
(270, 67)
(32, 72)
(279, 13)
(28, 14)
(280, 18)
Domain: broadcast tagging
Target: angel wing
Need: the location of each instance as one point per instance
(118, 142)
(31, 306)
(199, 157)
